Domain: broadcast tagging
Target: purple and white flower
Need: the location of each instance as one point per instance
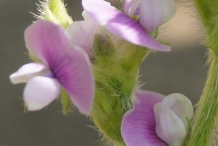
(87, 30)
(62, 65)
(156, 120)
(140, 19)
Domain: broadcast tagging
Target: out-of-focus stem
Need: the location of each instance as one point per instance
(205, 119)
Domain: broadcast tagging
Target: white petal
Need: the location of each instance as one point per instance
(86, 16)
(84, 30)
(100, 10)
(180, 105)
(28, 71)
(131, 6)
(169, 127)
(153, 13)
(40, 91)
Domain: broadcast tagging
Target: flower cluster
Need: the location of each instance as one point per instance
(96, 62)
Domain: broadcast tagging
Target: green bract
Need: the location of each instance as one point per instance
(55, 11)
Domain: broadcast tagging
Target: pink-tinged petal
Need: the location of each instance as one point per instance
(169, 127)
(47, 41)
(138, 124)
(180, 105)
(74, 72)
(28, 71)
(82, 34)
(120, 24)
(153, 13)
(132, 31)
(86, 16)
(100, 10)
(131, 6)
(40, 91)
(69, 64)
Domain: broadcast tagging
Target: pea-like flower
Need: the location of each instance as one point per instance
(156, 120)
(87, 30)
(61, 65)
(136, 25)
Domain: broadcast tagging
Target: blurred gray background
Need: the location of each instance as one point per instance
(181, 70)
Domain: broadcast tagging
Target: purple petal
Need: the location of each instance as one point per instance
(120, 24)
(169, 126)
(100, 10)
(138, 125)
(69, 64)
(40, 91)
(153, 13)
(130, 30)
(28, 71)
(131, 6)
(75, 74)
(83, 30)
(47, 41)
(180, 105)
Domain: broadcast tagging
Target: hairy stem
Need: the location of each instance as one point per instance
(205, 121)
(205, 118)
(116, 75)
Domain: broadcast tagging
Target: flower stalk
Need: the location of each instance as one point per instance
(205, 119)
(204, 128)
(116, 79)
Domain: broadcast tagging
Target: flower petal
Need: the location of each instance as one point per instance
(83, 30)
(153, 13)
(74, 72)
(47, 41)
(180, 105)
(120, 24)
(40, 91)
(169, 126)
(138, 124)
(131, 6)
(130, 30)
(86, 16)
(69, 64)
(100, 10)
(28, 71)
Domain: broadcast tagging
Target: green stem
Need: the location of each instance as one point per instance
(116, 76)
(205, 119)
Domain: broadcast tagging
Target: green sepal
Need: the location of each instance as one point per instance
(66, 102)
(103, 51)
(154, 33)
(34, 59)
(103, 46)
(133, 57)
(56, 12)
(188, 131)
